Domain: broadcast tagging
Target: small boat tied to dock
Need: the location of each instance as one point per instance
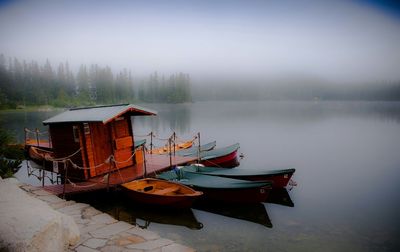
(161, 192)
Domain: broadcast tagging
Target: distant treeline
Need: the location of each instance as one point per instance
(29, 83)
(384, 91)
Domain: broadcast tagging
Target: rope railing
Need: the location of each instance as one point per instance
(111, 161)
(63, 158)
(37, 131)
(147, 135)
(87, 186)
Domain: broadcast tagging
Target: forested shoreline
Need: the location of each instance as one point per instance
(30, 83)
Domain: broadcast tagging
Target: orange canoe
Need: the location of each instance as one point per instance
(166, 150)
(161, 192)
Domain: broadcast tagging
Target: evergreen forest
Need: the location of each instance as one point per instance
(30, 83)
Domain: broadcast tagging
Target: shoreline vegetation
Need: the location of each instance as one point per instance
(29, 86)
(11, 155)
(25, 84)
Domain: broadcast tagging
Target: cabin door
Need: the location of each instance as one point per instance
(123, 142)
(101, 147)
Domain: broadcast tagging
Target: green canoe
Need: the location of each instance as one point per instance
(221, 189)
(280, 178)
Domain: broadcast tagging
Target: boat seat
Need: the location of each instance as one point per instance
(167, 190)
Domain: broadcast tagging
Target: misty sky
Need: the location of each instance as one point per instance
(338, 41)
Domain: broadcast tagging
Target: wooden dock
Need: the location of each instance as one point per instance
(154, 165)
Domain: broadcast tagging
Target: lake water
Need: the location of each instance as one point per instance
(347, 160)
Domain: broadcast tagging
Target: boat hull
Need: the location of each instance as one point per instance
(228, 161)
(221, 189)
(153, 197)
(242, 195)
(279, 178)
(41, 156)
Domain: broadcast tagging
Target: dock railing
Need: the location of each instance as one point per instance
(37, 138)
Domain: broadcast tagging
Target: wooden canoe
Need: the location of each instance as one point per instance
(166, 149)
(221, 189)
(280, 178)
(221, 157)
(160, 192)
(194, 149)
(40, 155)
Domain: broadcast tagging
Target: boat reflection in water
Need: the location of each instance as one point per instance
(121, 208)
(280, 196)
(143, 216)
(249, 212)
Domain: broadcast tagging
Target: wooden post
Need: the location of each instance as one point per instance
(50, 143)
(43, 177)
(144, 161)
(65, 177)
(170, 154)
(198, 154)
(37, 136)
(26, 130)
(109, 173)
(174, 142)
(43, 170)
(151, 142)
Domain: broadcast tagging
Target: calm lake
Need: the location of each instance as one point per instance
(347, 160)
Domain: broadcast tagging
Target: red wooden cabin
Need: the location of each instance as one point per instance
(94, 134)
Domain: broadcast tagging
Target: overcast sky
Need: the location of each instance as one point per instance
(333, 40)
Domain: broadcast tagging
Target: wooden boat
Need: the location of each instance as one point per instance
(221, 157)
(161, 192)
(166, 149)
(221, 189)
(192, 151)
(40, 155)
(280, 178)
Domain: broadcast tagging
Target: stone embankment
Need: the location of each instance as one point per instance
(32, 219)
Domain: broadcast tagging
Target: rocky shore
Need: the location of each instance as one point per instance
(32, 219)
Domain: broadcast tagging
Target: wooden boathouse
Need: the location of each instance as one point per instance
(91, 143)
(90, 136)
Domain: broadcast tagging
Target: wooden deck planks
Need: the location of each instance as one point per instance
(155, 164)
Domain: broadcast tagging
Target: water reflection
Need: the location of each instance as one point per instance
(280, 196)
(186, 119)
(170, 118)
(117, 205)
(121, 208)
(143, 216)
(16, 121)
(249, 212)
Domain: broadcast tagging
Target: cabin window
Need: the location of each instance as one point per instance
(75, 131)
(86, 128)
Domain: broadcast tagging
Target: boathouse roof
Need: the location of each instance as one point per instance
(102, 114)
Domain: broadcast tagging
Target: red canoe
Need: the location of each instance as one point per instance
(221, 157)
